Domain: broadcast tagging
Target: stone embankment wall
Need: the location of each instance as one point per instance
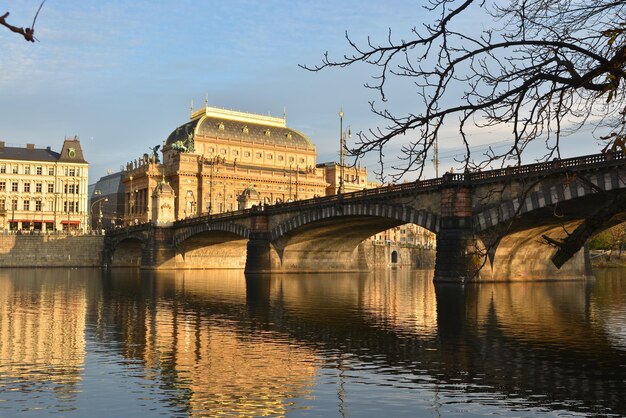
(51, 250)
(377, 255)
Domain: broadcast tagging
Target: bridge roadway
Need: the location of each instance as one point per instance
(517, 223)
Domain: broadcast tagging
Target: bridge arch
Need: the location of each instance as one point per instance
(229, 228)
(402, 214)
(542, 233)
(212, 246)
(327, 238)
(125, 251)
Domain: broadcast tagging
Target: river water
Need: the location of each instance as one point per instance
(129, 343)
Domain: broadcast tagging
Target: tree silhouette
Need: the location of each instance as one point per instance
(543, 69)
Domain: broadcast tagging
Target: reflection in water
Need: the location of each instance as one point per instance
(42, 336)
(127, 343)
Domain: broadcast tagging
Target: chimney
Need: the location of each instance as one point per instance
(30, 146)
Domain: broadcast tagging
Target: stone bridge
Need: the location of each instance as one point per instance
(518, 223)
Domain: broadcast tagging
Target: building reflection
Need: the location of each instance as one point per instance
(190, 330)
(219, 341)
(42, 329)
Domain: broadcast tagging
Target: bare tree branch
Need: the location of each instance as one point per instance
(542, 70)
(27, 33)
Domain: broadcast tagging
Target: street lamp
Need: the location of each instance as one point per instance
(289, 181)
(106, 199)
(342, 150)
(212, 162)
(131, 200)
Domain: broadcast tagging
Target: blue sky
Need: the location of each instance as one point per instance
(121, 74)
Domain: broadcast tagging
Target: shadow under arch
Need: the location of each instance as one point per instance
(212, 249)
(127, 252)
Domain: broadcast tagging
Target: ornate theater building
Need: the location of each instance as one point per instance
(223, 160)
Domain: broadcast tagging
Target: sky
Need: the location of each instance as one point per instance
(121, 75)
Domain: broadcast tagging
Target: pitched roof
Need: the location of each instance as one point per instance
(28, 154)
(72, 152)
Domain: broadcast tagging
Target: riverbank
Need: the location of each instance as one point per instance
(602, 260)
(51, 250)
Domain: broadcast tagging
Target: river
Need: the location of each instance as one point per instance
(128, 343)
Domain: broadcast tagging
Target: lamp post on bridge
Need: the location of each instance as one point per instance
(342, 151)
(210, 208)
(105, 199)
(131, 201)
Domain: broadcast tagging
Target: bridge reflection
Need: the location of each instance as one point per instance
(258, 345)
(541, 342)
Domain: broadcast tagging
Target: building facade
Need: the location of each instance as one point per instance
(216, 157)
(106, 202)
(43, 190)
(354, 178)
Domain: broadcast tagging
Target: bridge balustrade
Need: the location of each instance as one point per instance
(589, 161)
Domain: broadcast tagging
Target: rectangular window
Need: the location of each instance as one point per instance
(50, 187)
(38, 205)
(14, 186)
(2, 205)
(14, 169)
(3, 186)
(51, 171)
(14, 204)
(26, 169)
(27, 205)
(38, 187)
(72, 172)
(39, 170)
(27, 187)
(3, 168)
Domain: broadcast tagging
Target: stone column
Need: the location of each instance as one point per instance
(159, 251)
(259, 249)
(453, 262)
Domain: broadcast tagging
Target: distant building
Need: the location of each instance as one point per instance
(106, 202)
(408, 234)
(354, 178)
(43, 190)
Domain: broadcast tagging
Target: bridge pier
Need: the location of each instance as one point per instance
(159, 251)
(261, 256)
(454, 260)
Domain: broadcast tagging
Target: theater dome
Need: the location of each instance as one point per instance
(239, 126)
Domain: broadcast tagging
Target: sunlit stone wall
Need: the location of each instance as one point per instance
(51, 250)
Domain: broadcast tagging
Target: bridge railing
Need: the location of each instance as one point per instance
(588, 161)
